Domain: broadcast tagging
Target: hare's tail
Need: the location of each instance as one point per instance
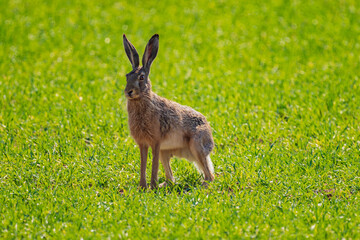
(210, 164)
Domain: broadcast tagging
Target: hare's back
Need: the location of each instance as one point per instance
(177, 117)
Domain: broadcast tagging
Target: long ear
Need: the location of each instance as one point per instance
(150, 51)
(131, 53)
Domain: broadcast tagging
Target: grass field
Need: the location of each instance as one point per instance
(277, 80)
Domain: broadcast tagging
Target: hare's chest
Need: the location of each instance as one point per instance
(142, 128)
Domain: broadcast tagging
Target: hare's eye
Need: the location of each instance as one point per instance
(142, 77)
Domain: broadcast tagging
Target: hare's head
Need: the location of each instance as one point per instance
(138, 82)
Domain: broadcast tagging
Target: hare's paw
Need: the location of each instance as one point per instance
(143, 185)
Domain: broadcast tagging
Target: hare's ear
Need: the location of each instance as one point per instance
(131, 53)
(150, 52)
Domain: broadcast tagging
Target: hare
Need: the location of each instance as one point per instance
(170, 129)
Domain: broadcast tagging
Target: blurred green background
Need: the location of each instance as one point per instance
(277, 80)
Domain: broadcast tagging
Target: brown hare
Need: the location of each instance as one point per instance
(170, 129)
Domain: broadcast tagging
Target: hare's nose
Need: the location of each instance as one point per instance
(130, 93)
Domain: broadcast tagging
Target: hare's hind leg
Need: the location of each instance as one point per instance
(165, 157)
(201, 152)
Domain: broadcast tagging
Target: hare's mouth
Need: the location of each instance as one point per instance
(131, 94)
(133, 97)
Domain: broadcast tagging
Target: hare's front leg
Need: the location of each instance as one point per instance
(143, 156)
(155, 165)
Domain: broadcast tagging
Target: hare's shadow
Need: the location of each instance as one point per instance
(186, 184)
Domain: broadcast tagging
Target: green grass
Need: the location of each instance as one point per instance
(277, 80)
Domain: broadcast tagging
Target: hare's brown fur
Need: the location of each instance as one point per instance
(169, 128)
